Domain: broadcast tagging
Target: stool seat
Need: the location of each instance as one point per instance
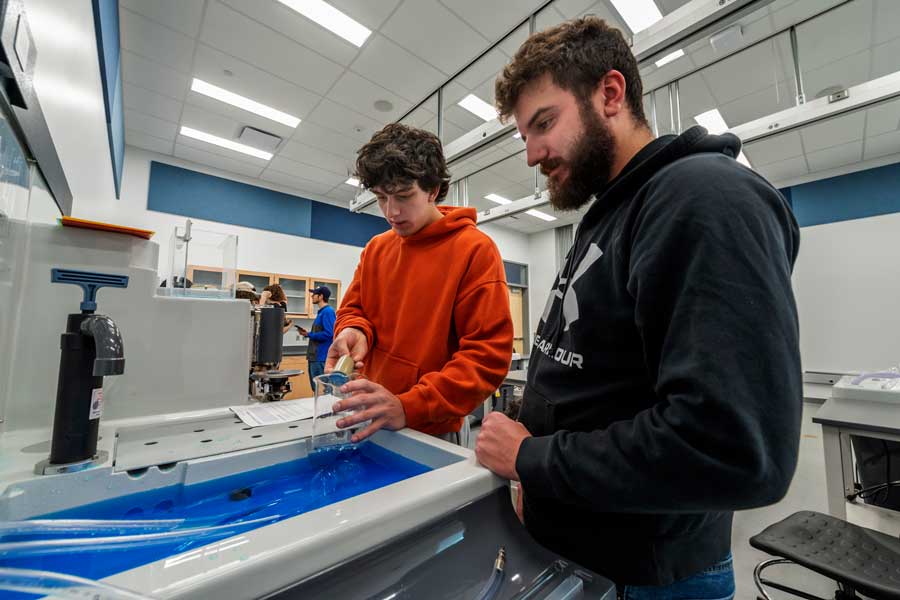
(864, 559)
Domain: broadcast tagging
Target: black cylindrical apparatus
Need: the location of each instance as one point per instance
(78, 396)
(269, 337)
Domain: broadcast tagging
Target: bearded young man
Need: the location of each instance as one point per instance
(664, 388)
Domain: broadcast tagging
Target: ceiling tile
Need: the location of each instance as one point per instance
(485, 70)
(298, 183)
(236, 116)
(836, 156)
(208, 121)
(148, 142)
(151, 103)
(149, 125)
(783, 170)
(886, 58)
(570, 8)
(295, 169)
(292, 24)
(217, 161)
(392, 67)
(248, 164)
(492, 19)
(232, 32)
(314, 135)
(887, 15)
(842, 32)
(883, 118)
(252, 82)
(359, 93)
(342, 192)
(318, 158)
(371, 14)
(155, 42)
(448, 45)
(833, 132)
(181, 15)
(514, 40)
(343, 120)
(882, 145)
(774, 149)
(152, 76)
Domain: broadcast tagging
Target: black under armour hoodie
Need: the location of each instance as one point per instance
(664, 387)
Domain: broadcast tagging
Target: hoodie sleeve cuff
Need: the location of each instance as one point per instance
(414, 408)
(531, 465)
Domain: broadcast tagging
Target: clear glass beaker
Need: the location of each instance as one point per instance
(325, 432)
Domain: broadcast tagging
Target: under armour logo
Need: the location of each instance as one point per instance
(570, 298)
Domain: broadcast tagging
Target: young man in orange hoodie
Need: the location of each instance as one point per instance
(426, 317)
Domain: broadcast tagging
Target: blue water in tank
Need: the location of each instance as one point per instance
(260, 497)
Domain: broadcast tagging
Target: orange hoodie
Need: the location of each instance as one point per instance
(435, 309)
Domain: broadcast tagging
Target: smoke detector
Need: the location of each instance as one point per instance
(257, 138)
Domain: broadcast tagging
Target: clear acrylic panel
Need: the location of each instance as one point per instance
(508, 179)
(210, 252)
(746, 86)
(468, 99)
(425, 116)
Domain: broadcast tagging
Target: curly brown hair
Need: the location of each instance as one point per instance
(277, 292)
(399, 155)
(576, 54)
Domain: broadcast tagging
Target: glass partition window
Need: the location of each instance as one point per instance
(506, 181)
(469, 97)
(746, 86)
(425, 116)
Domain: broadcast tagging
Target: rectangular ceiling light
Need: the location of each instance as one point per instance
(478, 107)
(638, 14)
(715, 123)
(352, 181)
(331, 19)
(213, 139)
(208, 89)
(540, 215)
(534, 213)
(670, 57)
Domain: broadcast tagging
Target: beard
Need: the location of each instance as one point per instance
(589, 163)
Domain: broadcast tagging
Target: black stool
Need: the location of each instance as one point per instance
(858, 559)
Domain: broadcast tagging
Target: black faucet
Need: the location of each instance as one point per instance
(91, 348)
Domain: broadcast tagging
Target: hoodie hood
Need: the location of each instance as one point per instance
(657, 155)
(453, 219)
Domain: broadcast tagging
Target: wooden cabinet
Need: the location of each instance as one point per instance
(300, 387)
(296, 287)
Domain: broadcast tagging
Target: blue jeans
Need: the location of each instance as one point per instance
(316, 368)
(714, 583)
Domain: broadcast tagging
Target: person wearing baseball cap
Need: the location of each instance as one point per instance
(321, 334)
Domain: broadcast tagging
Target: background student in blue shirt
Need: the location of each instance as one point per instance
(321, 335)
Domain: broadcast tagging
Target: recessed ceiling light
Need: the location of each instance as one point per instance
(540, 215)
(223, 95)
(715, 123)
(213, 139)
(352, 181)
(383, 105)
(331, 19)
(497, 199)
(478, 107)
(638, 14)
(670, 57)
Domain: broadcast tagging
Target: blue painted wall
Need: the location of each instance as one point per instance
(189, 193)
(106, 27)
(857, 195)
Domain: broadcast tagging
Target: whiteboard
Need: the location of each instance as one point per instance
(847, 285)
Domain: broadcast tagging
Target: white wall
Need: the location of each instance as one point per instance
(847, 285)
(542, 273)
